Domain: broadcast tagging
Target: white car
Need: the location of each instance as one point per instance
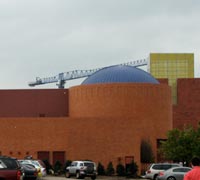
(176, 173)
(81, 169)
(41, 165)
(155, 168)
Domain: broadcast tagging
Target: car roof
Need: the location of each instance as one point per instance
(84, 161)
(182, 167)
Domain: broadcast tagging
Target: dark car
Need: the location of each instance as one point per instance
(30, 172)
(10, 169)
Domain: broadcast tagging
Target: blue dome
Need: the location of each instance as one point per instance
(120, 74)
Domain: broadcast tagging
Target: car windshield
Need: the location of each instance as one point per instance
(36, 163)
(41, 163)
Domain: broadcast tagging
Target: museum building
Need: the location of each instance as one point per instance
(104, 119)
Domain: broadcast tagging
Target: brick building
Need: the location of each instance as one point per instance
(104, 119)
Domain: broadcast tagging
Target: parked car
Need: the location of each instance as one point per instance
(41, 165)
(155, 168)
(10, 169)
(30, 162)
(81, 169)
(176, 173)
(30, 172)
(38, 165)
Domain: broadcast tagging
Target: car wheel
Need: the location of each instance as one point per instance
(155, 177)
(67, 174)
(93, 177)
(78, 176)
(171, 178)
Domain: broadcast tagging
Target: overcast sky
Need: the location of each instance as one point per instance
(41, 38)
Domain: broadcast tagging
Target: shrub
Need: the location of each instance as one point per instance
(132, 169)
(110, 170)
(48, 166)
(67, 163)
(120, 170)
(100, 169)
(57, 168)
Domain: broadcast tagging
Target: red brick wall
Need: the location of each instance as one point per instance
(27, 136)
(106, 122)
(34, 103)
(187, 110)
(120, 100)
(163, 81)
(111, 119)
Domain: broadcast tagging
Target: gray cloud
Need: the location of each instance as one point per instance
(45, 37)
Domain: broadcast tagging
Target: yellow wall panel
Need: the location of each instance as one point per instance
(172, 66)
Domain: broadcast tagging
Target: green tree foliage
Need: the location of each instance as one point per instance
(48, 166)
(146, 152)
(100, 169)
(120, 170)
(132, 169)
(110, 169)
(57, 168)
(67, 163)
(182, 145)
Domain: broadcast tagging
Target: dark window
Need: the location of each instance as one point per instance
(178, 170)
(59, 156)
(43, 155)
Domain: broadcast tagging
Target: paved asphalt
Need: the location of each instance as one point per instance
(87, 178)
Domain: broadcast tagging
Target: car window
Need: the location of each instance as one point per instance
(166, 166)
(10, 163)
(156, 166)
(41, 163)
(161, 166)
(36, 163)
(2, 165)
(178, 170)
(89, 164)
(186, 169)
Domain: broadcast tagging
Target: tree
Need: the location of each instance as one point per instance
(120, 170)
(110, 170)
(132, 169)
(146, 152)
(67, 163)
(182, 145)
(48, 166)
(100, 169)
(57, 167)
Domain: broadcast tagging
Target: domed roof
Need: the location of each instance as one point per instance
(120, 74)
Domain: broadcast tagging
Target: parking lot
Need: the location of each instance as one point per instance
(87, 178)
